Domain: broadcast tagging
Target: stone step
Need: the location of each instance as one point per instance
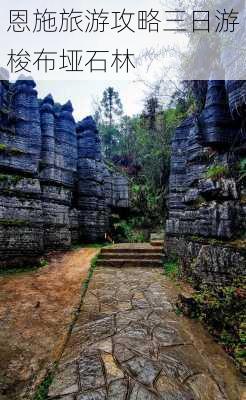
(157, 243)
(120, 263)
(128, 256)
(135, 250)
(157, 236)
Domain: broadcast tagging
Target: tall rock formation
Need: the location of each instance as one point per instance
(99, 191)
(54, 186)
(94, 213)
(57, 170)
(207, 213)
(21, 212)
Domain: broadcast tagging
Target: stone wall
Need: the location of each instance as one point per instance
(207, 209)
(55, 189)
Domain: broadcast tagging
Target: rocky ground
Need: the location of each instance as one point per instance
(36, 310)
(129, 343)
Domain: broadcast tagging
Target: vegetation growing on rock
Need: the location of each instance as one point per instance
(222, 310)
(217, 171)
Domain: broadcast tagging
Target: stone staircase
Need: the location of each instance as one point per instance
(131, 255)
(157, 239)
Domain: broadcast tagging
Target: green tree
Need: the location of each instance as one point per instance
(140, 146)
(151, 109)
(144, 151)
(111, 105)
(107, 113)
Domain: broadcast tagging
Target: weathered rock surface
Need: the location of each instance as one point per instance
(207, 194)
(94, 213)
(54, 186)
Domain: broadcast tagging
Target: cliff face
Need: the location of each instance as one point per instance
(207, 210)
(54, 186)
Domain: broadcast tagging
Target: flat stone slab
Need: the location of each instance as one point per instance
(129, 344)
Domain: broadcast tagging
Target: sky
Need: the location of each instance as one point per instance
(82, 93)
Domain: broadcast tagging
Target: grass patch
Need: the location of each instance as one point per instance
(23, 269)
(43, 389)
(91, 272)
(14, 222)
(88, 246)
(172, 269)
(217, 171)
(17, 271)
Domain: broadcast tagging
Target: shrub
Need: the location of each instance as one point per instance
(172, 269)
(223, 311)
(43, 262)
(137, 237)
(123, 229)
(3, 178)
(126, 231)
(217, 171)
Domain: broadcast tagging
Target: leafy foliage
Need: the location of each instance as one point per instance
(144, 152)
(243, 165)
(107, 114)
(10, 178)
(127, 231)
(223, 311)
(172, 269)
(3, 147)
(140, 147)
(242, 169)
(111, 104)
(217, 171)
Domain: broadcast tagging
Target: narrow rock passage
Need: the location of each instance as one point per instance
(128, 344)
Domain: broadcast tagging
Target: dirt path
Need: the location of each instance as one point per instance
(129, 344)
(36, 310)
